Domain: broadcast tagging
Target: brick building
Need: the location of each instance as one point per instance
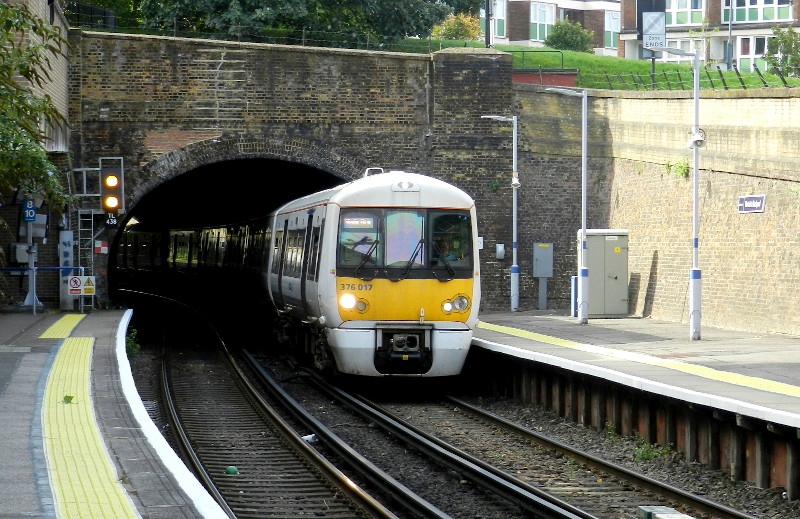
(527, 22)
(709, 26)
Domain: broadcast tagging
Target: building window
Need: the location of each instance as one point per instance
(500, 19)
(685, 45)
(757, 10)
(751, 52)
(611, 31)
(543, 17)
(685, 12)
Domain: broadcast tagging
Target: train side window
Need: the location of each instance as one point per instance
(314, 252)
(276, 253)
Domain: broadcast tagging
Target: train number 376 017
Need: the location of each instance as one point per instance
(354, 286)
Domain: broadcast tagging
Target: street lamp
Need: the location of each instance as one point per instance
(696, 141)
(583, 270)
(514, 186)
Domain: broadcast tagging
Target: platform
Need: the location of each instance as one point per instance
(754, 375)
(77, 441)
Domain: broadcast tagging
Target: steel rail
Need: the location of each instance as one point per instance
(530, 498)
(366, 502)
(185, 444)
(701, 504)
(399, 492)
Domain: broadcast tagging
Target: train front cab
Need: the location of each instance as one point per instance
(408, 290)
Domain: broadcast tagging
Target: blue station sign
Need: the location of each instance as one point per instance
(28, 210)
(752, 203)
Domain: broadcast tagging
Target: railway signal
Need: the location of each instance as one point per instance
(111, 191)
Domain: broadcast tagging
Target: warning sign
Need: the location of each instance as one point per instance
(82, 285)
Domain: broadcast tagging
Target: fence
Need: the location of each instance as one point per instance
(710, 77)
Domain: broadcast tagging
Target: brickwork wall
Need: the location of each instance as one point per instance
(474, 153)
(636, 146)
(519, 21)
(171, 105)
(56, 87)
(594, 21)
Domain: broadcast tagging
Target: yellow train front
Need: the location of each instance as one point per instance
(382, 272)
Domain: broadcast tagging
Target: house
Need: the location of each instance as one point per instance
(703, 24)
(526, 22)
(708, 25)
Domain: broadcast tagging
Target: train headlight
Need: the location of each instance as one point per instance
(458, 304)
(350, 301)
(347, 301)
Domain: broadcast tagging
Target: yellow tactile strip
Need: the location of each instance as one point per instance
(63, 327)
(694, 369)
(83, 479)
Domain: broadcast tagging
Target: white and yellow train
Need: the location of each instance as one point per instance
(376, 277)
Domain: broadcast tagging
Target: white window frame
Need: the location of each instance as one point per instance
(758, 7)
(546, 11)
(500, 18)
(693, 9)
(688, 45)
(752, 56)
(612, 25)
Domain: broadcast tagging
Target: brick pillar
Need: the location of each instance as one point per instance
(475, 153)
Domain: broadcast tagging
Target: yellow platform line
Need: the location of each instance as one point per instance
(82, 476)
(63, 327)
(692, 369)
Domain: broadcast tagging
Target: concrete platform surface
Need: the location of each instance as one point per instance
(77, 441)
(756, 375)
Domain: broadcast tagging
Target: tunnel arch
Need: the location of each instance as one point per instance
(153, 188)
(228, 147)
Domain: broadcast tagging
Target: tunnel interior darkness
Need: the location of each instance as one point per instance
(227, 192)
(212, 195)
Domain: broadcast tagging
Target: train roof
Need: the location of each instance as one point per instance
(390, 189)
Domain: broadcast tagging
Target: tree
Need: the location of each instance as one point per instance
(26, 48)
(458, 27)
(568, 35)
(385, 21)
(783, 51)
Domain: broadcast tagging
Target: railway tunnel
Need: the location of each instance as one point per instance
(212, 195)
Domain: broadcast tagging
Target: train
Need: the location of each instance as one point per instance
(376, 277)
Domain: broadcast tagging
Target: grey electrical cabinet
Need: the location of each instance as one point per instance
(607, 261)
(542, 260)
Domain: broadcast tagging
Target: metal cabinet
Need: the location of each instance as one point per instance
(607, 261)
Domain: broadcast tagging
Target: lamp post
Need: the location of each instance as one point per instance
(696, 141)
(514, 186)
(583, 270)
(729, 60)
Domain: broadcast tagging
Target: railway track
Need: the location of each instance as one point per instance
(253, 462)
(486, 449)
(466, 462)
(433, 481)
(601, 488)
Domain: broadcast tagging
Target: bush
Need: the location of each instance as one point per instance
(458, 27)
(568, 35)
(783, 51)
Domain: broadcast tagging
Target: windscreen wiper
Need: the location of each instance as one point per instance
(364, 260)
(417, 250)
(447, 265)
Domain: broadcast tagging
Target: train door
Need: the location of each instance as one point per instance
(312, 260)
(306, 253)
(276, 286)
